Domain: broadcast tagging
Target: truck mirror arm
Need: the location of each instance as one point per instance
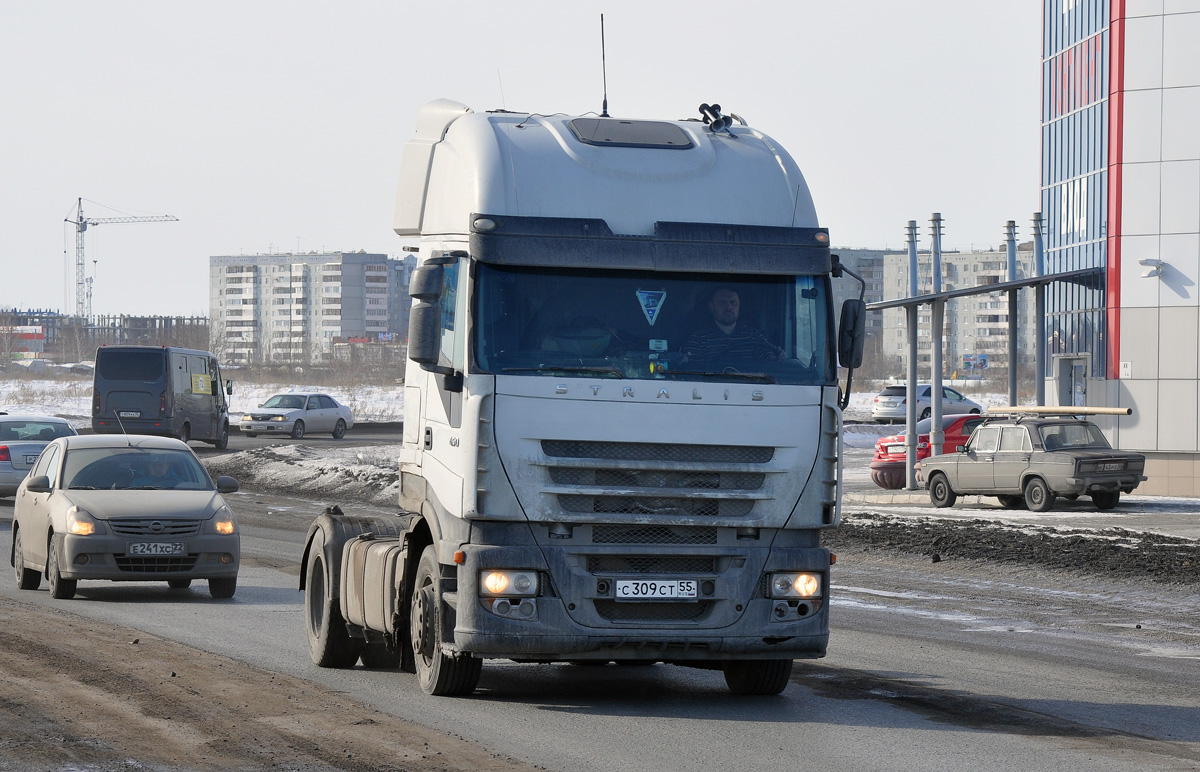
(851, 330)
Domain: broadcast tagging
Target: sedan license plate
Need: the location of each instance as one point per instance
(896, 450)
(130, 414)
(156, 548)
(31, 458)
(656, 589)
(1115, 466)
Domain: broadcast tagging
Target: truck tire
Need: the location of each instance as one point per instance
(377, 656)
(438, 673)
(60, 589)
(185, 434)
(329, 644)
(27, 578)
(940, 492)
(1038, 496)
(222, 441)
(758, 676)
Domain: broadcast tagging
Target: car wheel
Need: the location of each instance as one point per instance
(27, 578)
(297, 430)
(222, 441)
(60, 589)
(222, 586)
(329, 645)
(179, 584)
(1106, 499)
(757, 676)
(1038, 496)
(438, 673)
(1012, 502)
(940, 492)
(926, 413)
(185, 434)
(339, 429)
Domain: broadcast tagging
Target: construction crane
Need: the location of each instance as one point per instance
(83, 292)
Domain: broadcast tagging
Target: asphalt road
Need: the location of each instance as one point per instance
(929, 669)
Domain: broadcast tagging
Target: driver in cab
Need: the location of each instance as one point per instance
(725, 338)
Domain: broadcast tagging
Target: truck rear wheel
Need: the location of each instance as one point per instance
(439, 674)
(329, 644)
(758, 676)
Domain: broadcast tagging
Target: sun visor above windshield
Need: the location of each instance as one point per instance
(675, 246)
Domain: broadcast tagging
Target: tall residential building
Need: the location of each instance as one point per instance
(292, 308)
(975, 328)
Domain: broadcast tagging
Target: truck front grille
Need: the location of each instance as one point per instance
(653, 534)
(651, 564)
(650, 612)
(669, 480)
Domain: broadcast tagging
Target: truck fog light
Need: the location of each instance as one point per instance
(526, 608)
(502, 607)
(803, 609)
(781, 610)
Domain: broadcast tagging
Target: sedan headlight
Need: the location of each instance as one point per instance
(224, 522)
(247, 417)
(805, 584)
(80, 522)
(279, 418)
(495, 583)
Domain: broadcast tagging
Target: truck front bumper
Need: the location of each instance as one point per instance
(577, 616)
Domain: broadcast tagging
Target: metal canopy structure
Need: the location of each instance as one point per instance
(937, 301)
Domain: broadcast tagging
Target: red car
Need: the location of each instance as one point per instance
(887, 467)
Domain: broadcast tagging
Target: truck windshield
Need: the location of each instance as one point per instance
(117, 365)
(678, 326)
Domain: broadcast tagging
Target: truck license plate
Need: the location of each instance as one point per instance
(656, 589)
(156, 548)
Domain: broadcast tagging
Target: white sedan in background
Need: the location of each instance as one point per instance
(297, 414)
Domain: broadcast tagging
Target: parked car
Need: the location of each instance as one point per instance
(22, 438)
(891, 404)
(123, 508)
(888, 467)
(298, 414)
(1030, 460)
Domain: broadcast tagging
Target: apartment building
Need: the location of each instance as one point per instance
(293, 308)
(975, 328)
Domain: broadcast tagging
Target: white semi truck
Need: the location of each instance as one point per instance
(622, 414)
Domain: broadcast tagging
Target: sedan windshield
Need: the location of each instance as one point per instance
(128, 468)
(609, 324)
(286, 401)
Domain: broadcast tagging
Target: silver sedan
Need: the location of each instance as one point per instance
(297, 414)
(123, 508)
(22, 438)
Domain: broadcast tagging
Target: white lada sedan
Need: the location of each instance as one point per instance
(123, 508)
(297, 414)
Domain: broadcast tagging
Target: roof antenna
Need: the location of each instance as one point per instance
(603, 71)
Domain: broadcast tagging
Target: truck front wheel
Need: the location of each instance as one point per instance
(329, 644)
(757, 676)
(440, 674)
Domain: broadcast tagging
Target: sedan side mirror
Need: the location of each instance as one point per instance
(226, 484)
(229, 387)
(961, 448)
(39, 484)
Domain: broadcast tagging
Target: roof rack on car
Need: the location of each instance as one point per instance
(1057, 410)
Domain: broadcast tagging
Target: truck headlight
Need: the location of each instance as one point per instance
(495, 583)
(805, 584)
(80, 522)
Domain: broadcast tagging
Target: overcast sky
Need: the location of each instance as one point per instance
(278, 126)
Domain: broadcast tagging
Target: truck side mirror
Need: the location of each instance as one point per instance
(851, 332)
(229, 387)
(424, 321)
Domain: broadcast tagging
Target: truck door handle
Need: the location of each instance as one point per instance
(428, 438)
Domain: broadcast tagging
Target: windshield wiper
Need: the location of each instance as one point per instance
(756, 377)
(82, 488)
(589, 370)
